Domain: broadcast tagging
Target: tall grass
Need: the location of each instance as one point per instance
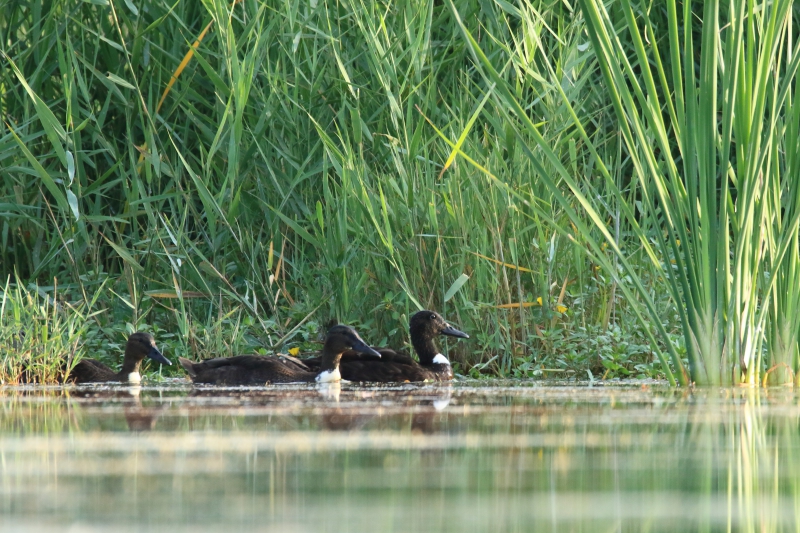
(293, 172)
(305, 162)
(704, 99)
(716, 165)
(40, 337)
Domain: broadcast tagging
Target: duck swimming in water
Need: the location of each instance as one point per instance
(394, 366)
(260, 370)
(139, 346)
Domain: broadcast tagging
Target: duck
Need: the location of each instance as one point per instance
(139, 346)
(261, 370)
(395, 366)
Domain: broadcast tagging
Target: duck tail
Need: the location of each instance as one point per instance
(188, 366)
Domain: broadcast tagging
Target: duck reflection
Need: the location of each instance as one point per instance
(336, 417)
(428, 421)
(138, 417)
(382, 408)
(330, 392)
(253, 396)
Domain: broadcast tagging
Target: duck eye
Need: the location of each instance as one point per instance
(433, 317)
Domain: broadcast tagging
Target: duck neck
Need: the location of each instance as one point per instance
(425, 348)
(330, 360)
(130, 368)
(329, 366)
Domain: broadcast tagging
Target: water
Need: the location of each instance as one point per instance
(460, 457)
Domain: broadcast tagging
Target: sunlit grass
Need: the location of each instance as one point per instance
(711, 197)
(716, 167)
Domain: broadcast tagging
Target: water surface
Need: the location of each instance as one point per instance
(457, 457)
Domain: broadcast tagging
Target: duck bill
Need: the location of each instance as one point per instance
(453, 332)
(362, 347)
(155, 355)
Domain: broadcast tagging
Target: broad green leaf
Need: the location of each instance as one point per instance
(457, 284)
(70, 167)
(132, 7)
(124, 254)
(53, 128)
(73, 204)
(103, 218)
(119, 81)
(320, 217)
(51, 186)
(219, 84)
(298, 229)
(457, 148)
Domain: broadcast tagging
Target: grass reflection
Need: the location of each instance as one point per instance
(394, 459)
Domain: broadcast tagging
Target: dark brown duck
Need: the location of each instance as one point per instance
(261, 370)
(394, 366)
(139, 346)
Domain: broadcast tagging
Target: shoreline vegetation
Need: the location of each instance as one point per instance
(589, 190)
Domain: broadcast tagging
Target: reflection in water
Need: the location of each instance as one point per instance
(140, 418)
(405, 458)
(330, 391)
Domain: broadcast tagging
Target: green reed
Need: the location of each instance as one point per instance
(294, 173)
(707, 128)
(715, 176)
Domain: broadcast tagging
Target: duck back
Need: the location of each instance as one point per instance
(391, 372)
(253, 370)
(392, 367)
(91, 371)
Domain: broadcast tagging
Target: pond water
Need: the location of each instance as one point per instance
(460, 457)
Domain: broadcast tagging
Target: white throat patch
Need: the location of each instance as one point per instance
(134, 377)
(329, 376)
(441, 360)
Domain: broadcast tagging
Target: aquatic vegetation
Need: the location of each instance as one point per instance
(713, 147)
(241, 173)
(708, 131)
(289, 176)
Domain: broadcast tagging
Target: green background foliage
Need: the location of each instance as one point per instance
(317, 161)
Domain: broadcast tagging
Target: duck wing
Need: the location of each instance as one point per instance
(255, 370)
(384, 372)
(387, 355)
(392, 367)
(294, 362)
(91, 371)
(351, 356)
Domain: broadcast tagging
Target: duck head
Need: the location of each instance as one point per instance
(430, 324)
(339, 339)
(141, 345)
(424, 326)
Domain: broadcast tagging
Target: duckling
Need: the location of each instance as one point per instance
(260, 370)
(395, 366)
(139, 346)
